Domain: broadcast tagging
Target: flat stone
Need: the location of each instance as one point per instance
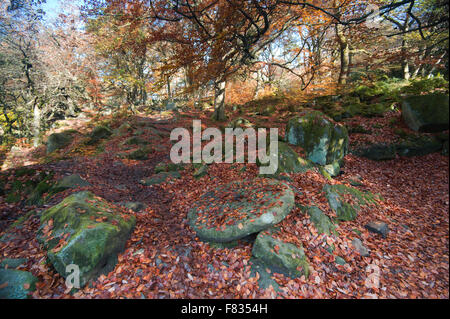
(236, 210)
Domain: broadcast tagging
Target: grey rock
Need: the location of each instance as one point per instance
(363, 251)
(378, 227)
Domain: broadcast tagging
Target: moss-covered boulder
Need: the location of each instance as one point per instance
(322, 222)
(59, 140)
(140, 154)
(408, 146)
(86, 231)
(289, 161)
(418, 146)
(426, 113)
(346, 201)
(324, 141)
(98, 133)
(135, 140)
(44, 186)
(71, 181)
(168, 167)
(159, 178)
(12, 263)
(16, 284)
(241, 208)
(376, 152)
(280, 256)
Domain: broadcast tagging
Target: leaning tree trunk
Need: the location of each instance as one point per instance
(219, 102)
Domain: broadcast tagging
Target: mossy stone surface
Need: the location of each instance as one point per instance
(159, 178)
(345, 210)
(322, 222)
(286, 258)
(98, 133)
(86, 231)
(323, 140)
(16, 284)
(12, 263)
(140, 154)
(59, 140)
(426, 113)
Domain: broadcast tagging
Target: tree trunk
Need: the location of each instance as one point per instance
(219, 102)
(36, 124)
(344, 51)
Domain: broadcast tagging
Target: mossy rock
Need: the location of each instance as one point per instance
(418, 146)
(279, 256)
(135, 141)
(123, 129)
(324, 142)
(16, 284)
(43, 187)
(84, 230)
(159, 178)
(426, 113)
(410, 146)
(265, 280)
(376, 152)
(59, 140)
(141, 154)
(201, 171)
(289, 161)
(346, 211)
(11, 263)
(168, 167)
(98, 133)
(71, 181)
(251, 206)
(322, 222)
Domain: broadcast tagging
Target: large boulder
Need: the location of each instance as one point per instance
(86, 231)
(280, 256)
(59, 140)
(324, 141)
(426, 113)
(238, 209)
(16, 284)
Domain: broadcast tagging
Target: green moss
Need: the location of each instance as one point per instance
(98, 133)
(324, 141)
(344, 210)
(93, 233)
(13, 283)
(321, 221)
(140, 154)
(159, 178)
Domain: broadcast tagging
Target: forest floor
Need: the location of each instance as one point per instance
(164, 258)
